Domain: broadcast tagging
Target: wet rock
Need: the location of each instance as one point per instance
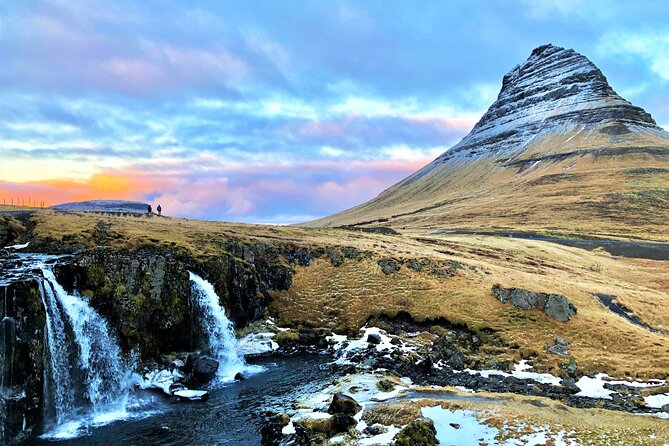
(374, 338)
(396, 341)
(270, 432)
(345, 404)
(454, 425)
(420, 432)
(560, 347)
(301, 437)
(201, 368)
(21, 360)
(427, 365)
(239, 376)
(389, 266)
(307, 337)
(342, 422)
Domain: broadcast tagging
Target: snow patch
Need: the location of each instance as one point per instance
(593, 387)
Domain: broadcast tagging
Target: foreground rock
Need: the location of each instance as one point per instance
(555, 306)
(200, 368)
(344, 404)
(420, 432)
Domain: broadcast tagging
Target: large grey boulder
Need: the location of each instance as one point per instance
(558, 307)
(555, 306)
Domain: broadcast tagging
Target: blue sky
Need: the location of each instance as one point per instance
(278, 111)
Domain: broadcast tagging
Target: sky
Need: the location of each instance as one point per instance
(278, 111)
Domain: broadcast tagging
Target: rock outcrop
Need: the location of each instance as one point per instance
(555, 306)
(21, 360)
(420, 432)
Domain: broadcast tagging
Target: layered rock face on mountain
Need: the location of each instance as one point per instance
(559, 149)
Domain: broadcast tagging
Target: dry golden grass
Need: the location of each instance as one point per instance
(344, 297)
(610, 196)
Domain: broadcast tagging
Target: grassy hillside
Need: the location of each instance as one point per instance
(596, 182)
(456, 286)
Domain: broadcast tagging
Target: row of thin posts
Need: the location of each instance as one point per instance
(18, 201)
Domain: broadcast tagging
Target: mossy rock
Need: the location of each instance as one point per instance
(420, 432)
(290, 336)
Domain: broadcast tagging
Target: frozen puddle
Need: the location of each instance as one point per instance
(464, 428)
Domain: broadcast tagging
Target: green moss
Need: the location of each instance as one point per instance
(420, 432)
(287, 336)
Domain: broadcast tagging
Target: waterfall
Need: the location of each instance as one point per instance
(87, 381)
(218, 330)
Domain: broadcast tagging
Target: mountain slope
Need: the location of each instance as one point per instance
(559, 150)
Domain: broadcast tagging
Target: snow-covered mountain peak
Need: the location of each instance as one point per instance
(555, 89)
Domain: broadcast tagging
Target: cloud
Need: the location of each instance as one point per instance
(258, 113)
(650, 46)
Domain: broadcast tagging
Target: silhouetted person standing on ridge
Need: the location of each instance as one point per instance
(148, 209)
(159, 209)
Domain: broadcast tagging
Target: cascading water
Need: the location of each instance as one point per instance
(218, 329)
(87, 382)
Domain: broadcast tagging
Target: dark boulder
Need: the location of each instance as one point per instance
(389, 266)
(374, 338)
(420, 432)
(307, 337)
(570, 385)
(396, 341)
(201, 368)
(343, 404)
(239, 376)
(342, 422)
(270, 432)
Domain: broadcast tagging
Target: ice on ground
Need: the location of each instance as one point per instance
(593, 387)
(161, 379)
(344, 346)
(256, 343)
(464, 428)
(193, 395)
(520, 371)
(381, 439)
(657, 401)
(471, 432)
(364, 389)
(15, 247)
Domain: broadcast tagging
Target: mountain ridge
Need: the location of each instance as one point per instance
(556, 115)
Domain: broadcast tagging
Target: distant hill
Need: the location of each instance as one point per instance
(558, 150)
(103, 206)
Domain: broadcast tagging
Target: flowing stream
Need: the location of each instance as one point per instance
(86, 380)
